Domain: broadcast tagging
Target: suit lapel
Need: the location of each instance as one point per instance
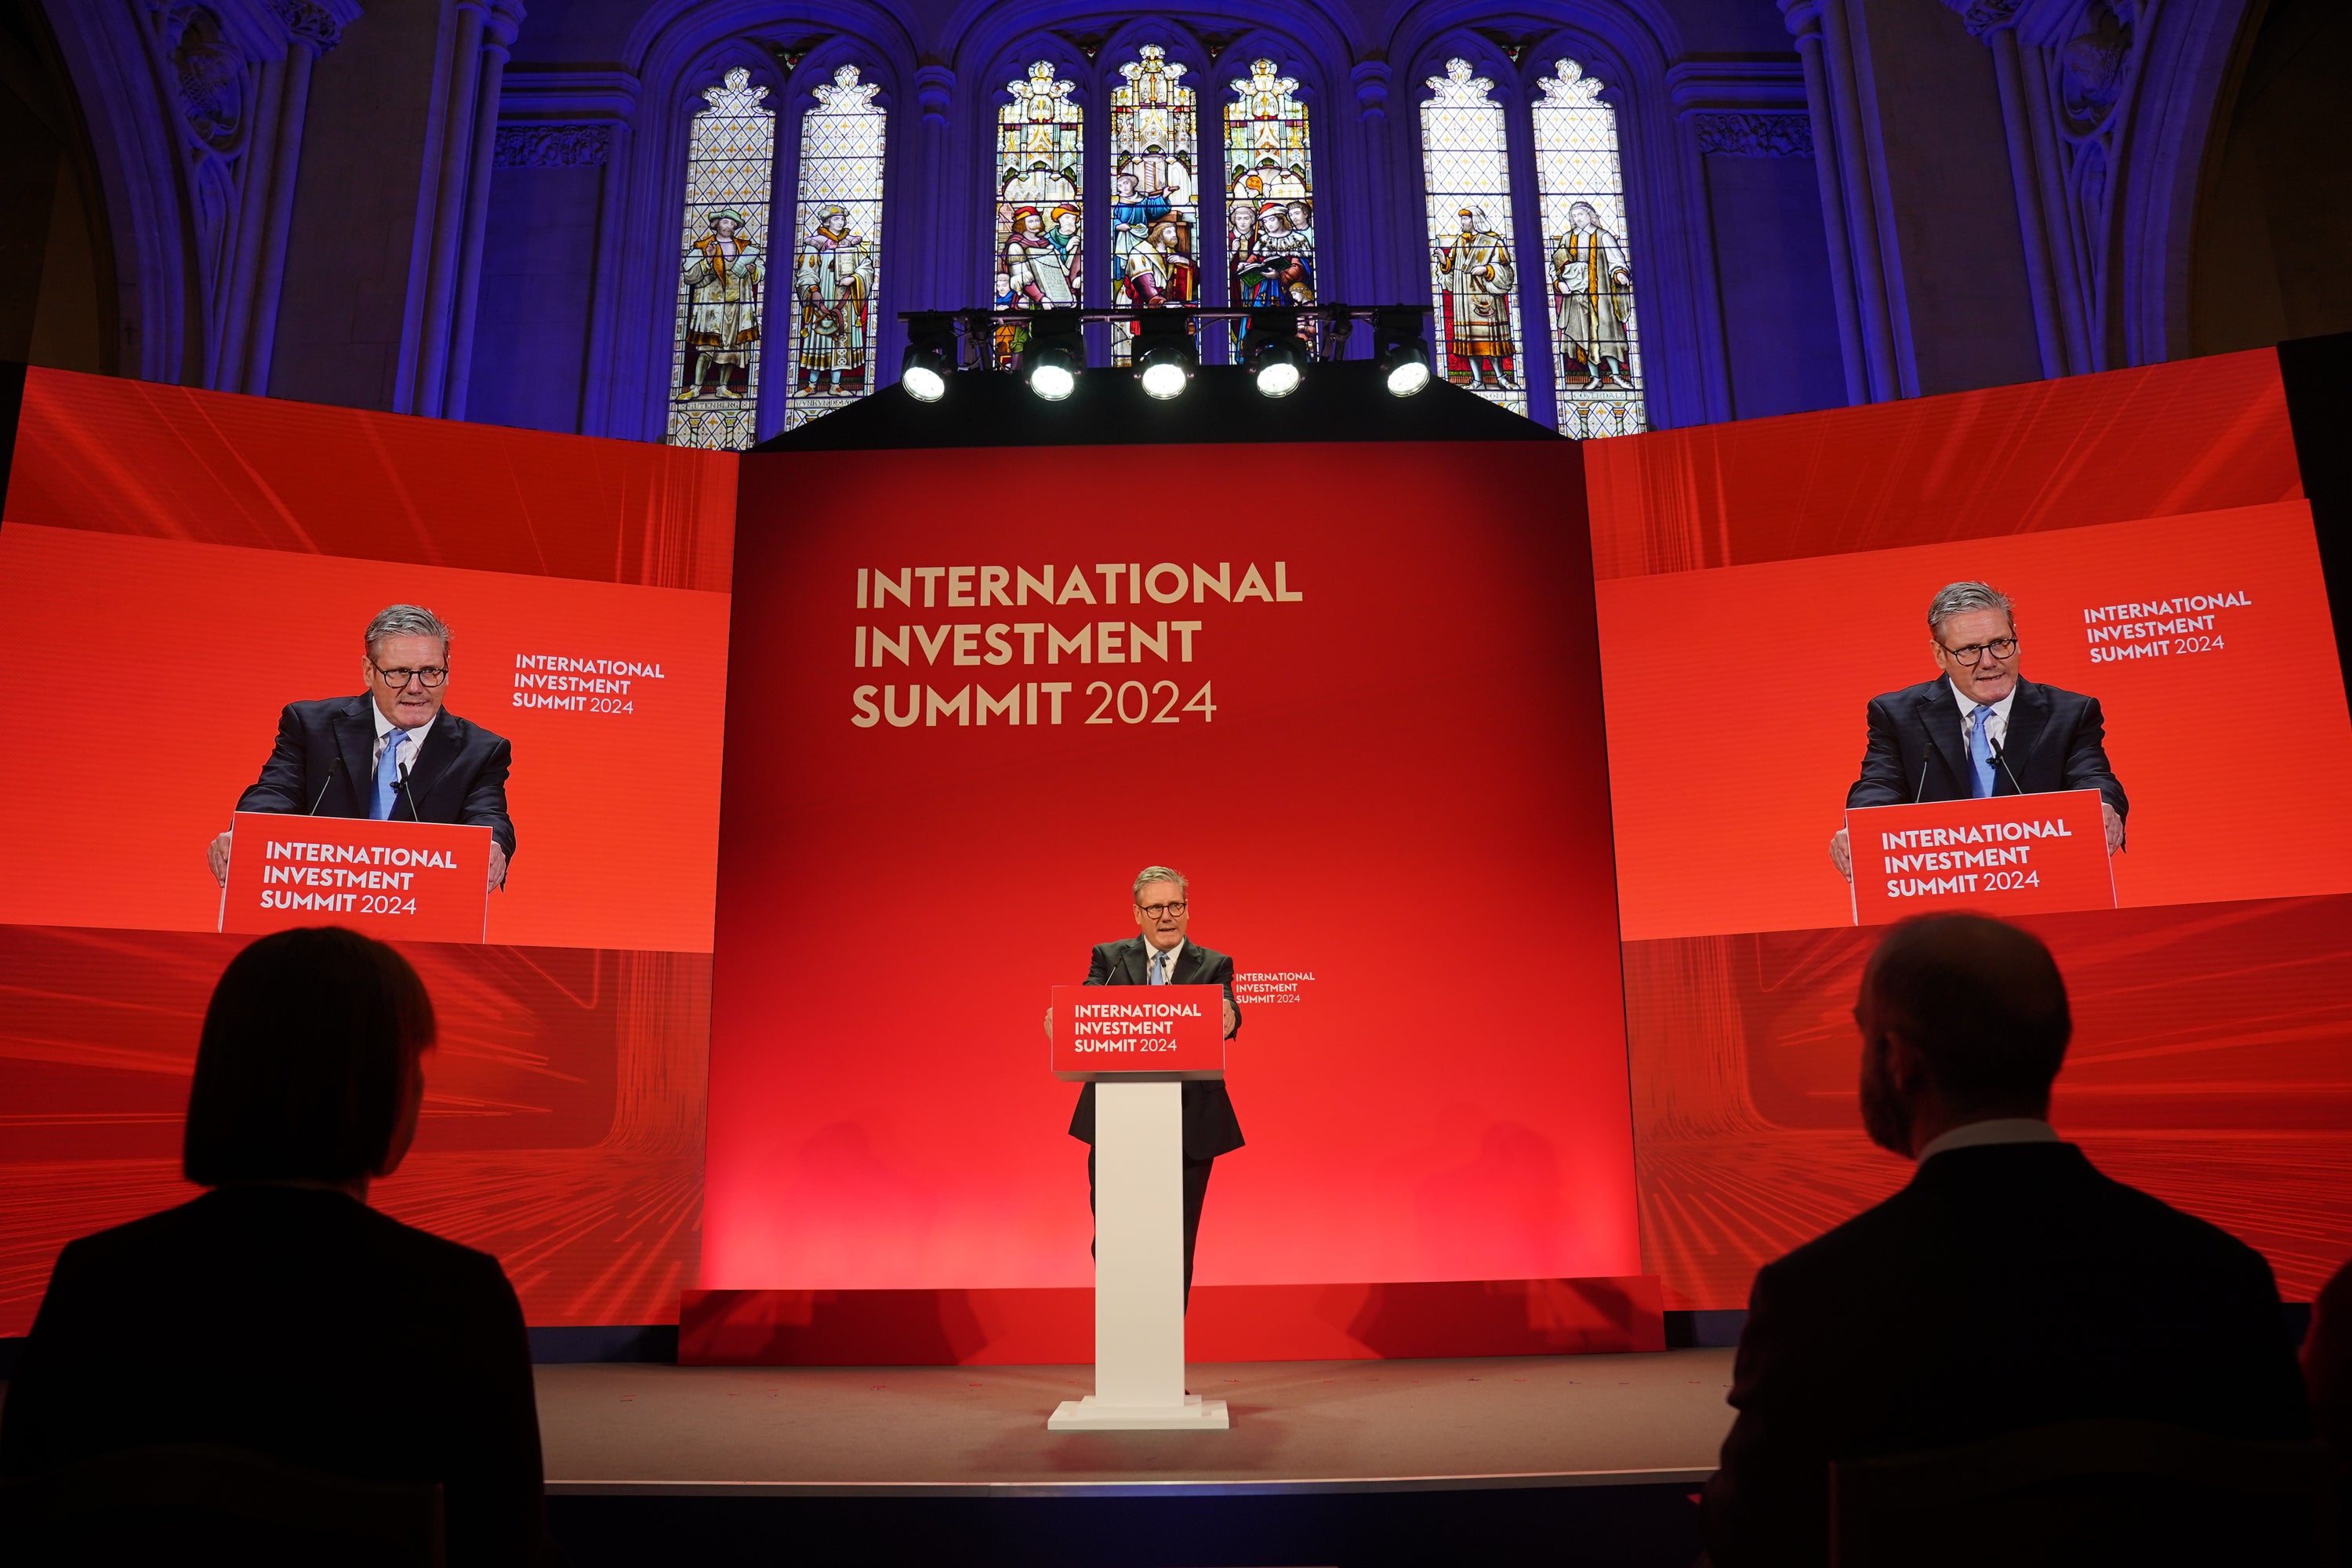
(2028, 721)
(1131, 962)
(1189, 965)
(355, 745)
(1941, 718)
(442, 744)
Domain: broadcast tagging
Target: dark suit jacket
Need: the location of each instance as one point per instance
(1211, 1129)
(2007, 1287)
(460, 775)
(2056, 741)
(298, 1324)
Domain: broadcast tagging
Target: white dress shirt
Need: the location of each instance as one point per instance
(384, 727)
(1997, 1130)
(1169, 969)
(1996, 727)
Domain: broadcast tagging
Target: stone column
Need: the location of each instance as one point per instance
(1860, 204)
(1804, 21)
(313, 31)
(506, 15)
(936, 284)
(445, 238)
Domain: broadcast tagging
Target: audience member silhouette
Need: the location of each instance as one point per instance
(2327, 1362)
(278, 1313)
(2009, 1285)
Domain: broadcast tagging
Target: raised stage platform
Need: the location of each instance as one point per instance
(1340, 1462)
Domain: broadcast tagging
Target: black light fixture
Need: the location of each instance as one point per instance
(1165, 357)
(1275, 352)
(1401, 351)
(930, 355)
(1057, 352)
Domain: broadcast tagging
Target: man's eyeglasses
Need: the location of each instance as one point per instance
(1999, 648)
(1153, 912)
(431, 676)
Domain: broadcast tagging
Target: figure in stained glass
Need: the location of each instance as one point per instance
(1594, 289)
(834, 278)
(1039, 218)
(837, 265)
(722, 317)
(1596, 344)
(721, 267)
(1155, 190)
(1473, 273)
(1269, 189)
(1475, 277)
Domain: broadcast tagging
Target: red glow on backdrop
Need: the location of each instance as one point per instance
(1399, 796)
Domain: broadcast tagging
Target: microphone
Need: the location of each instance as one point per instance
(407, 790)
(2001, 755)
(1920, 790)
(324, 786)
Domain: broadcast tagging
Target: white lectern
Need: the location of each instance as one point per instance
(1137, 1045)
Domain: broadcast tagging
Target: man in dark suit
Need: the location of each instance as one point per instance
(1162, 956)
(392, 753)
(1980, 729)
(2008, 1286)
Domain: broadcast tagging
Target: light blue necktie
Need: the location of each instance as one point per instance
(387, 776)
(1980, 749)
(1159, 968)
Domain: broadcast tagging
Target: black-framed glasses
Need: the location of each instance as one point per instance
(1156, 910)
(1999, 648)
(431, 675)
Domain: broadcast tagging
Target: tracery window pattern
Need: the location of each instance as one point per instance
(1039, 235)
(1155, 188)
(1589, 278)
(837, 266)
(1269, 192)
(1473, 273)
(722, 267)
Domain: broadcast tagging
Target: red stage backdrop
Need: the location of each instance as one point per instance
(2150, 526)
(177, 566)
(1361, 711)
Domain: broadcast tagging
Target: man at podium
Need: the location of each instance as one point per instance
(391, 754)
(1162, 956)
(1980, 729)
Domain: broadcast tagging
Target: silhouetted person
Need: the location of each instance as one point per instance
(278, 1313)
(2327, 1362)
(2009, 1285)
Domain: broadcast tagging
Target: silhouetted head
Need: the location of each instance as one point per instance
(1963, 1019)
(308, 1069)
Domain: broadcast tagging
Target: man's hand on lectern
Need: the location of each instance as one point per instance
(2113, 819)
(497, 866)
(217, 853)
(1838, 855)
(1049, 1023)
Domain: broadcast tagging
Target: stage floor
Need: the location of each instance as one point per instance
(1297, 1427)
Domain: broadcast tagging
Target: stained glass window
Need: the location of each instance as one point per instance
(1155, 190)
(1586, 267)
(1472, 271)
(1269, 192)
(730, 166)
(837, 263)
(1040, 247)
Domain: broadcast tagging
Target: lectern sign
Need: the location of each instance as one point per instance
(2010, 855)
(1128, 1031)
(421, 881)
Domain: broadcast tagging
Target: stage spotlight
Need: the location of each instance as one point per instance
(930, 355)
(1055, 354)
(1275, 352)
(1401, 352)
(1165, 358)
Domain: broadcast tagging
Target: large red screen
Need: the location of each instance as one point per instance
(1394, 819)
(1762, 582)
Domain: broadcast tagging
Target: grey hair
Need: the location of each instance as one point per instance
(405, 621)
(1150, 874)
(1959, 598)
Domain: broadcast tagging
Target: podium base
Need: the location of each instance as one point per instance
(1088, 1415)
